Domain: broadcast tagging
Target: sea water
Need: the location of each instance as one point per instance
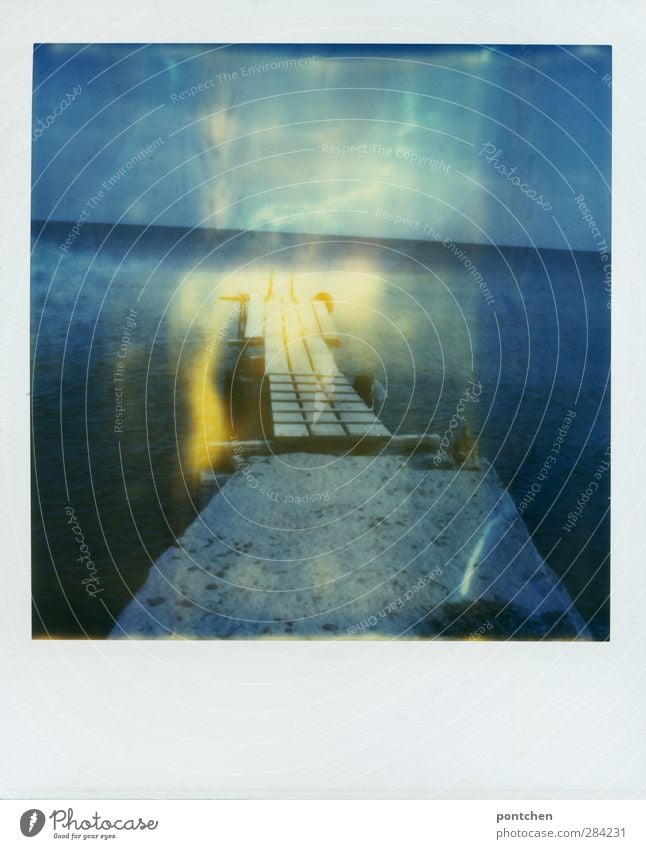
(129, 353)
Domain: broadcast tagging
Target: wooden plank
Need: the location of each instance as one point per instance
(325, 323)
(285, 388)
(276, 360)
(290, 321)
(314, 410)
(280, 379)
(255, 324)
(322, 359)
(281, 417)
(319, 400)
(354, 405)
(311, 376)
(307, 384)
(358, 417)
(308, 320)
(275, 357)
(273, 322)
(311, 330)
(296, 351)
(313, 381)
(325, 417)
(290, 430)
(368, 430)
(315, 384)
(286, 406)
(327, 430)
(277, 395)
(322, 419)
(338, 395)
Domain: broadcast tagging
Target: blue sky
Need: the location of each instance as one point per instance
(480, 143)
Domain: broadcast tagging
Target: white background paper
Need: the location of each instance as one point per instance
(267, 719)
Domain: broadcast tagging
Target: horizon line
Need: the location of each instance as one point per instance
(319, 236)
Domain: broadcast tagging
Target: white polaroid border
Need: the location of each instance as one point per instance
(217, 719)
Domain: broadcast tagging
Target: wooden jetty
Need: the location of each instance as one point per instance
(311, 401)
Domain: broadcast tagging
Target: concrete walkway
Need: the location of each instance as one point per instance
(314, 546)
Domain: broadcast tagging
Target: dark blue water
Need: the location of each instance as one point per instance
(536, 340)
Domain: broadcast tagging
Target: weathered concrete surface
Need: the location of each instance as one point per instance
(313, 546)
